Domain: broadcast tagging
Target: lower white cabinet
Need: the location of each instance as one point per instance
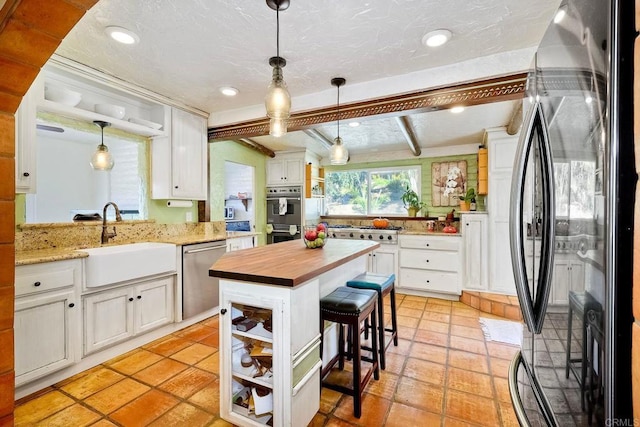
(47, 318)
(238, 243)
(568, 275)
(383, 261)
(117, 314)
(475, 236)
(430, 263)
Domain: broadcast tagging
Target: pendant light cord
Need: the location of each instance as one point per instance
(338, 111)
(278, 31)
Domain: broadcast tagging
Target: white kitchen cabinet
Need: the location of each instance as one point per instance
(286, 169)
(475, 236)
(47, 320)
(25, 139)
(568, 275)
(502, 149)
(277, 315)
(117, 314)
(383, 260)
(237, 243)
(179, 161)
(430, 263)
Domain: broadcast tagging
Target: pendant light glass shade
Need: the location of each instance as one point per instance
(339, 153)
(102, 159)
(277, 100)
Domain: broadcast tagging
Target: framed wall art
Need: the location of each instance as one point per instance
(448, 180)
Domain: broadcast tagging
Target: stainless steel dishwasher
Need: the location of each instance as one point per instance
(199, 290)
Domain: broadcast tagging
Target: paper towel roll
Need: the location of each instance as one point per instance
(179, 203)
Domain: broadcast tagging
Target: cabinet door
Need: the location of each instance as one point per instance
(474, 232)
(26, 141)
(384, 262)
(153, 304)
(294, 171)
(577, 275)
(189, 155)
(108, 318)
(45, 330)
(275, 172)
(561, 281)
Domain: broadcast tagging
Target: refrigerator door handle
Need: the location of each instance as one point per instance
(516, 220)
(545, 274)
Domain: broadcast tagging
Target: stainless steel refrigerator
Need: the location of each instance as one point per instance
(571, 234)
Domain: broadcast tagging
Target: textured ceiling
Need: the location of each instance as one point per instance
(190, 48)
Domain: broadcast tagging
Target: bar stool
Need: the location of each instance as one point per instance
(350, 307)
(581, 303)
(384, 285)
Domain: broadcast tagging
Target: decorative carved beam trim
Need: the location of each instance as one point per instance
(407, 131)
(486, 91)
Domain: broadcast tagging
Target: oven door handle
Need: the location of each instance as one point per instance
(277, 199)
(283, 232)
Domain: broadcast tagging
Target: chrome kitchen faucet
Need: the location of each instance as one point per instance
(105, 234)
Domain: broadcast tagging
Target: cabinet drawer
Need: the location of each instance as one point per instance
(430, 242)
(430, 260)
(426, 280)
(46, 276)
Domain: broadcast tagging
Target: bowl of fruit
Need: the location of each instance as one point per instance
(315, 236)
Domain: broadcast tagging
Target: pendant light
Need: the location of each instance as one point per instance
(102, 159)
(277, 101)
(339, 153)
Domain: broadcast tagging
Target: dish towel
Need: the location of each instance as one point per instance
(282, 205)
(502, 331)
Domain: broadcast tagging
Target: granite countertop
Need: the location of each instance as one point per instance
(288, 263)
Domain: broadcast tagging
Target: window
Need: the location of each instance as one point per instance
(126, 180)
(370, 192)
(575, 187)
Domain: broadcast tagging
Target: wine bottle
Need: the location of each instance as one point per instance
(472, 204)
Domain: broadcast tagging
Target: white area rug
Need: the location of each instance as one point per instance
(503, 331)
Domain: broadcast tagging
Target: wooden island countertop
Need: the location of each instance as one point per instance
(288, 263)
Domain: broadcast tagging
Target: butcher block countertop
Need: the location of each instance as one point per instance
(288, 263)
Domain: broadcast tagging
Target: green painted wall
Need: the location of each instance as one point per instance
(425, 185)
(220, 152)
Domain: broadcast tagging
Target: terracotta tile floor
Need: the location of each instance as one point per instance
(442, 373)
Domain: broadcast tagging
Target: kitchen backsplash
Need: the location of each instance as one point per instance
(30, 237)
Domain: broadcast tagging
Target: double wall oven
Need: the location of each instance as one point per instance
(284, 213)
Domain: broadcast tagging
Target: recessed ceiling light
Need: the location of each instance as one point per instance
(559, 16)
(354, 124)
(436, 38)
(122, 35)
(456, 110)
(229, 91)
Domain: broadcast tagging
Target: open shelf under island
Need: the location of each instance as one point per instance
(277, 288)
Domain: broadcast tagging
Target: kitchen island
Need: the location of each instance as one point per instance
(269, 309)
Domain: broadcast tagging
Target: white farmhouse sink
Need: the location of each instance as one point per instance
(113, 264)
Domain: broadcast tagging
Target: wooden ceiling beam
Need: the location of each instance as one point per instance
(409, 135)
(505, 88)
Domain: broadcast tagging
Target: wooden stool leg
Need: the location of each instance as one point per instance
(357, 386)
(374, 346)
(341, 346)
(394, 320)
(569, 332)
(381, 345)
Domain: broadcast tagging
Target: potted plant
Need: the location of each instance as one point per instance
(465, 200)
(412, 202)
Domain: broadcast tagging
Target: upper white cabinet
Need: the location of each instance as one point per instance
(179, 161)
(475, 236)
(26, 139)
(286, 169)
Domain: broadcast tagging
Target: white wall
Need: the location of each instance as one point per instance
(239, 178)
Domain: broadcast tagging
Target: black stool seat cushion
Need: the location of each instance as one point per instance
(348, 300)
(377, 282)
